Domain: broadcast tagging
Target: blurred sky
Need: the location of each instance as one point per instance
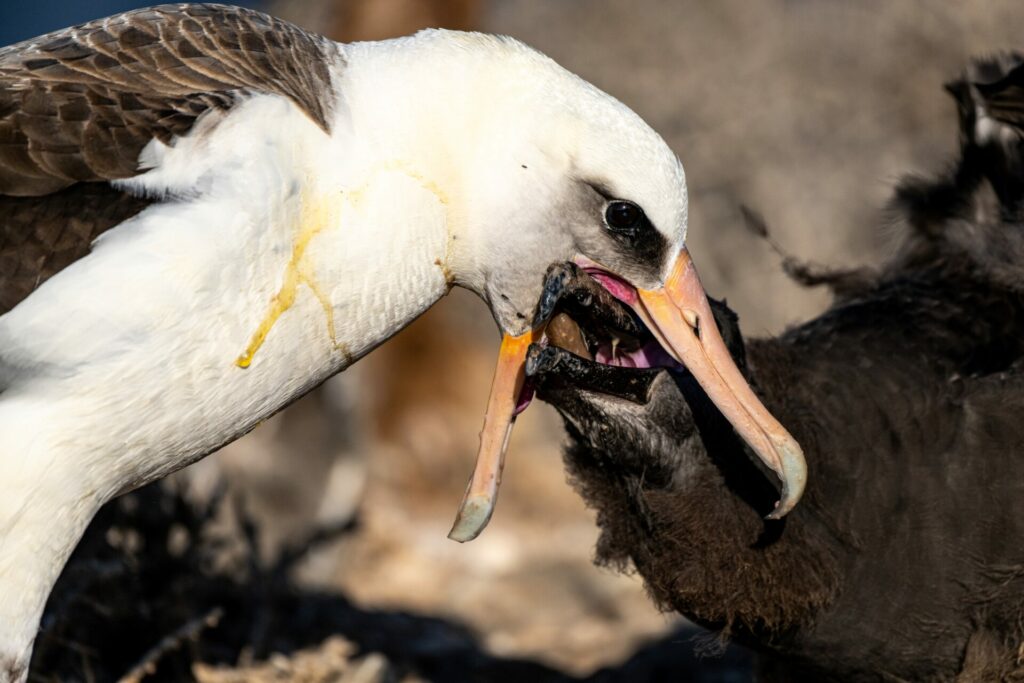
(23, 19)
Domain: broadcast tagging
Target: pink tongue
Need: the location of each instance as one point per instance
(619, 288)
(650, 355)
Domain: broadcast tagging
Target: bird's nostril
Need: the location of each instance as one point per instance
(540, 359)
(691, 317)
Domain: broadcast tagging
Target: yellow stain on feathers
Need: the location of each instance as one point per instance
(317, 215)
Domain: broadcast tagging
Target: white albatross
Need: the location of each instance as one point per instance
(205, 212)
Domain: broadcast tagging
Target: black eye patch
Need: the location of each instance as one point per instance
(625, 218)
(634, 237)
(637, 238)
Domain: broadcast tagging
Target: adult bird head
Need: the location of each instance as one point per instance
(553, 170)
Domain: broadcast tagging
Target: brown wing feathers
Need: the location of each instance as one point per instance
(40, 236)
(79, 105)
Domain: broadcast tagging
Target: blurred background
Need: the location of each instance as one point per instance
(806, 111)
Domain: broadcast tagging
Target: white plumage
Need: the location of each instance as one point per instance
(283, 248)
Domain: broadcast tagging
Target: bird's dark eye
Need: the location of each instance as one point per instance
(624, 217)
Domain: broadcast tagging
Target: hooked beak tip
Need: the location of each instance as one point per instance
(474, 514)
(793, 476)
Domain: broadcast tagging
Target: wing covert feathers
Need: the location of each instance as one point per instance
(81, 103)
(40, 236)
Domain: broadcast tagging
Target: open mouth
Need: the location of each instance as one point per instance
(627, 328)
(613, 334)
(603, 336)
